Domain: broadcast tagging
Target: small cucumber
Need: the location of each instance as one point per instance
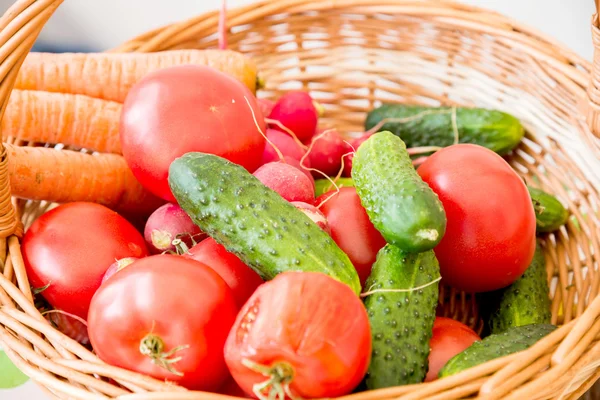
(550, 214)
(401, 322)
(252, 221)
(525, 302)
(401, 206)
(323, 186)
(432, 126)
(494, 346)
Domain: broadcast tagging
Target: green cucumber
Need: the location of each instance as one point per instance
(550, 214)
(494, 346)
(252, 221)
(323, 186)
(525, 302)
(401, 206)
(432, 126)
(401, 322)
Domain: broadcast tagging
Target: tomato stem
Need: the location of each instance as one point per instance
(152, 346)
(277, 386)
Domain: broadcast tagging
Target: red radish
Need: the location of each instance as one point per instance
(302, 167)
(288, 181)
(296, 111)
(242, 280)
(70, 326)
(284, 143)
(117, 266)
(167, 223)
(326, 152)
(265, 106)
(354, 145)
(313, 213)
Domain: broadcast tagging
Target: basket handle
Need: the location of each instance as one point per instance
(593, 111)
(19, 28)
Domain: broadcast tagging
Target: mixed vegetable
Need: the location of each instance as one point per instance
(285, 260)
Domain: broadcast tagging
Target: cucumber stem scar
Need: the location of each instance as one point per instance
(429, 234)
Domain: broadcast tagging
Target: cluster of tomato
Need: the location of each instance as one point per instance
(171, 315)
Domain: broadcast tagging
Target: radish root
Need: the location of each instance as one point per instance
(67, 314)
(279, 153)
(373, 291)
(420, 115)
(287, 130)
(222, 28)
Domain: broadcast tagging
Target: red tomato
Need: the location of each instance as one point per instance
(351, 228)
(188, 108)
(289, 331)
(163, 308)
(239, 277)
(449, 338)
(70, 248)
(490, 234)
(231, 388)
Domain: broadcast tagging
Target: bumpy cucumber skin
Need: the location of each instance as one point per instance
(323, 186)
(525, 302)
(401, 206)
(252, 221)
(496, 130)
(550, 214)
(494, 346)
(401, 323)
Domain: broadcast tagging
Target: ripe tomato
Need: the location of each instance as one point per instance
(70, 248)
(239, 277)
(490, 234)
(164, 308)
(351, 228)
(449, 338)
(304, 331)
(188, 108)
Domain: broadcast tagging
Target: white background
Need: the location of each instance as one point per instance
(100, 24)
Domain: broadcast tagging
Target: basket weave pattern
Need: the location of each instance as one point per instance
(352, 55)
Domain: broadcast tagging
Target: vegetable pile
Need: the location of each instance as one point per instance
(278, 258)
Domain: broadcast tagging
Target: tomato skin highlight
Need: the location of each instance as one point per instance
(70, 248)
(351, 228)
(449, 338)
(490, 235)
(287, 321)
(181, 301)
(242, 279)
(188, 108)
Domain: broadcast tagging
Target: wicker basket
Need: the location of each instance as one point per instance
(351, 55)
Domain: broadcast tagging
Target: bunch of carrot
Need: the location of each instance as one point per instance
(75, 99)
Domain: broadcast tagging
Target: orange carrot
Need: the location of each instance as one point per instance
(70, 119)
(109, 76)
(61, 176)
